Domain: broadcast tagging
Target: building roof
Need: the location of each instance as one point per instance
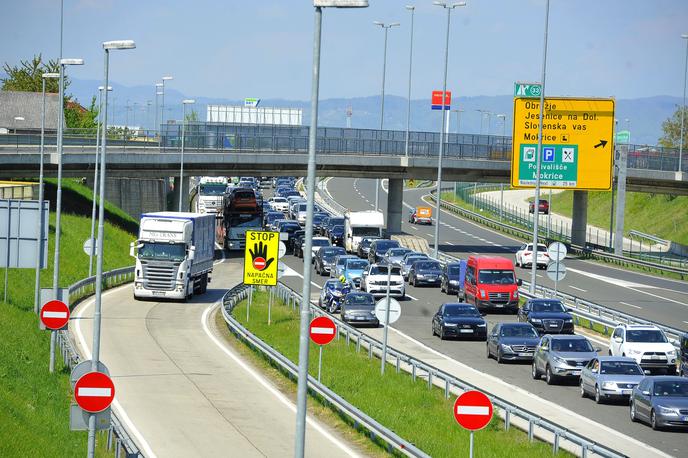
(28, 105)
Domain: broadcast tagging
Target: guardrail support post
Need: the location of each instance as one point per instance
(530, 430)
(446, 389)
(555, 445)
(398, 364)
(429, 379)
(507, 420)
(413, 371)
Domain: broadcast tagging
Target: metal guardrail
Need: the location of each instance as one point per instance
(71, 357)
(233, 296)
(642, 235)
(435, 377)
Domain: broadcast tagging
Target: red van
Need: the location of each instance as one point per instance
(491, 283)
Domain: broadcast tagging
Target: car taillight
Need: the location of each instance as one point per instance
(545, 255)
(526, 253)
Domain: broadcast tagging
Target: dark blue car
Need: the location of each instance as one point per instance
(548, 316)
(512, 342)
(425, 272)
(459, 319)
(452, 278)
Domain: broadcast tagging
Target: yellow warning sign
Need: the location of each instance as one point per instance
(577, 143)
(261, 258)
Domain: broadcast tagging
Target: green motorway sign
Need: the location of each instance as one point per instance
(623, 136)
(527, 90)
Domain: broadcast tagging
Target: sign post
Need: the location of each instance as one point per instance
(322, 331)
(54, 316)
(473, 411)
(556, 271)
(387, 311)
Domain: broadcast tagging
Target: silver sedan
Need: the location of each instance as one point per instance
(610, 377)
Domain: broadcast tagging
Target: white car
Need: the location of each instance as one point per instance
(374, 281)
(318, 242)
(279, 204)
(524, 255)
(647, 344)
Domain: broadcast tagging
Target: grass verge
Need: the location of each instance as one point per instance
(421, 415)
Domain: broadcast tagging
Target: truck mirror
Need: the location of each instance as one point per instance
(192, 253)
(131, 250)
(519, 282)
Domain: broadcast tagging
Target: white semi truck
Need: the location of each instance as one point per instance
(210, 194)
(361, 224)
(174, 255)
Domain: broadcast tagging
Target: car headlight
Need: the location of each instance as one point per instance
(506, 347)
(482, 325)
(609, 385)
(633, 351)
(536, 320)
(450, 325)
(667, 411)
(558, 360)
(671, 353)
(453, 282)
(568, 320)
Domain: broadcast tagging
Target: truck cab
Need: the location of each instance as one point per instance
(210, 195)
(491, 283)
(361, 224)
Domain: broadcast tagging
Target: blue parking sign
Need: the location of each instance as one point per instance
(548, 154)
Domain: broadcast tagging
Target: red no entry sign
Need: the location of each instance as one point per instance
(55, 315)
(473, 410)
(322, 330)
(94, 392)
(259, 263)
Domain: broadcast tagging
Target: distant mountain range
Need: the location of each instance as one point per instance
(645, 114)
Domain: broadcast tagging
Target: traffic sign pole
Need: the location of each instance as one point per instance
(319, 362)
(384, 338)
(471, 446)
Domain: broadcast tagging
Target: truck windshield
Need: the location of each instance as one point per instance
(496, 277)
(212, 189)
(246, 220)
(365, 231)
(163, 251)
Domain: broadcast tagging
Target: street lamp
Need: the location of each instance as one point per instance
(449, 7)
(107, 47)
(158, 92)
(458, 120)
(162, 114)
(41, 223)
(412, 9)
(386, 28)
(683, 107)
(181, 165)
(482, 116)
(503, 118)
(302, 388)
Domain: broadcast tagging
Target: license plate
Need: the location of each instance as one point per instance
(626, 392)
(525, 354)
(655, 357)
(552, 325)
(575, 372)
(466, 331)
(359, 318)
(499, 305)
(158, 293)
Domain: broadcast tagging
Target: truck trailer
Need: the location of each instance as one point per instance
(174, 255)
(361, 224)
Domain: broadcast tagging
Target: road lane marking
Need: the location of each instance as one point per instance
(449, 243)
(264, 382)
(414, 228)
(630, 305)
(578, 289)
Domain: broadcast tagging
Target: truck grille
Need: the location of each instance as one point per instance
(498, 298)
(159, 276)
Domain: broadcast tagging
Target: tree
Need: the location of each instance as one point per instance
(27, 76)
(672, 130)
(192, 117)
(78, 117)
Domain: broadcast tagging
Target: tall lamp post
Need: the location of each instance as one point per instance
(412, 9)
(683, 107)
(449, 7)
(302, 387)
(41, 223)
(107, 47)
(181, 164)
(158, 92)
(162, 95)
(58, 199)
(458, 120)
(386, 28)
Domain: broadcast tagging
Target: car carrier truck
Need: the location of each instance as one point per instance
(174, 255)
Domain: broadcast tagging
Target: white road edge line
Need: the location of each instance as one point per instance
(578, 289)
(536, 398)
(260, 379)
(630, 305)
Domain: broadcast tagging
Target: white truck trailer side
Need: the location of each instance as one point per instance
(361, 224)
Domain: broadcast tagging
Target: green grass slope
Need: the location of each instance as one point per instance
(34, 404)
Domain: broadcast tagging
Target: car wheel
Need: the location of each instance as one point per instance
(653, 420)
(534, 372)
(489, 355)
(549, 376)
(609, 352)
(632, 412)
(433, 330)
(583, 394)
(500, 360)
(598, 396)
(441, 287)
(442, 336)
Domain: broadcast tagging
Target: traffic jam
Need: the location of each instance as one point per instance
(359, 264)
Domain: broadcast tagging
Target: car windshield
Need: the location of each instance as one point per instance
(453, 270)
(410, 261)
(677, 388)
(645, 335)
(397, 251)
(383, 246)
(290, 227)
(571, 345)
(620, 367)
(319, 218)
(335, 221)
(382, 270)
(496, 277)
(329, 254)
(548, 306)
(342, 260)
(363, 231)
(320, 242)
(214, 189)
(460, 310)
(162, 251)
(338, 229)
(366, 242)
(427, 265)
(517, 331)
(359, 299)
(356, 264)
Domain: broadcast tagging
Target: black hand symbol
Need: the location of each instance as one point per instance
(260, 250)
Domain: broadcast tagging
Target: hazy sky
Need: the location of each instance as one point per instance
(263, 48)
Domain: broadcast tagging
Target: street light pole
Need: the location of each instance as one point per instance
(458, 120)
(449, 7)
(683, 107)
(107, 47)
(158, 92)
(181, 166)
(412, 9)
(386, 27)
(538, 160)
(162, 110)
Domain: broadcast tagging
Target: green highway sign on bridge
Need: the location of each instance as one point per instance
(623, 136)
(527, 89)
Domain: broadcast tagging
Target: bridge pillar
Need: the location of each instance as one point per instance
(395, 205)
(579, 224)
(185, 190)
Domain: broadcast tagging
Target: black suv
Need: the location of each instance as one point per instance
(548, 316)
(378, 249)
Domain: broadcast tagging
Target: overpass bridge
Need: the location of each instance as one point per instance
(268, 150)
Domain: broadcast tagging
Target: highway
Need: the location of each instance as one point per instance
(182, 391)
(422, 303)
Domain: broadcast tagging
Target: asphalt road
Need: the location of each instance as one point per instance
(422, 303)
(181, 390)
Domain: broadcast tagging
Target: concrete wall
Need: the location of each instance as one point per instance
(136, 195)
